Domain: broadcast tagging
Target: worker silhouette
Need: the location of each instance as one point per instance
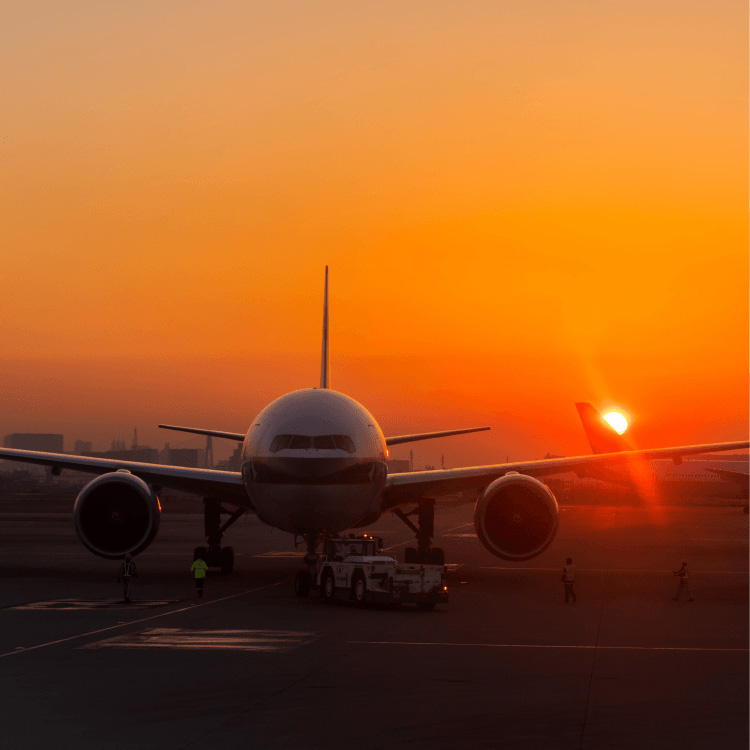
(684, 584)
(127, 573)
(568, 579)
(199, 568)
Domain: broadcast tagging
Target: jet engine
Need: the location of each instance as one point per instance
(516, 517)
(116, 513)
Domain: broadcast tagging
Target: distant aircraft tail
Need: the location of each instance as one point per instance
(602, 437)
(324, 361)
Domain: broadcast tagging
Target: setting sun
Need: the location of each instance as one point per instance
(616, 421)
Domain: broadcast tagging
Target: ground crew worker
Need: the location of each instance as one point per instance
(199, 568)
(684, 582)
(568, 579)
(127, 573)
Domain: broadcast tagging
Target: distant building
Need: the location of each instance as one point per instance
(142, 454)
(34, 441)
(192, 458)
(398, 465)
(83, 446)
(233, 463)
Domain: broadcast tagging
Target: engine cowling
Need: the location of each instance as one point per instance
(516, 517)
(116, 514)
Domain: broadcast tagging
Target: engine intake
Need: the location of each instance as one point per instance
(116, 514)
(516, 517)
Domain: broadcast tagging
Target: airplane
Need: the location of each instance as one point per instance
(314, 464)
(707, 477)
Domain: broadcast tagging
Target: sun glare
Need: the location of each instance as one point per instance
(616, 421)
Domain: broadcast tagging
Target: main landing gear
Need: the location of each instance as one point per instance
(214, 554)
(424, 530)
(303, 579)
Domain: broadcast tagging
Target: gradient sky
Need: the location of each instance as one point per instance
(522, 205)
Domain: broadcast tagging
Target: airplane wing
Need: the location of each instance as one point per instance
(219, 485)
(409, 487)
(739, 477)
(398, 439)
(238, 436)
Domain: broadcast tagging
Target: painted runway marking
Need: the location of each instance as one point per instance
(233, 640)
(78, 604)
(461, 536)
(192, 606)
(620, 570)
(550, 646)
(443, 534)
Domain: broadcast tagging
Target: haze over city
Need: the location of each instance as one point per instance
(521, 208)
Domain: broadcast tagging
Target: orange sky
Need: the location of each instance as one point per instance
(521, 207)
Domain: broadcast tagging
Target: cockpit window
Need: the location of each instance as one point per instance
(300, 442)
(280, 442)
(344, 442)
(318, 442)
(324, 442)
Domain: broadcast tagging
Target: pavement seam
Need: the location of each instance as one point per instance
(591, 677)
(190, 607)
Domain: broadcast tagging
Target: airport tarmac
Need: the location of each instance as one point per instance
(506, 664)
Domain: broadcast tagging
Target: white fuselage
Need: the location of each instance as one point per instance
(314, 461)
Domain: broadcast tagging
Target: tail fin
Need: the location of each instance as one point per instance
(324, 364)
(602, 438)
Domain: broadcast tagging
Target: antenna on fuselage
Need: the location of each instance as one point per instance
(324, 364)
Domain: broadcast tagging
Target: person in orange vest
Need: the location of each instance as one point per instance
(127, 573)
(684, 584)
(568, 579)
(198, 569)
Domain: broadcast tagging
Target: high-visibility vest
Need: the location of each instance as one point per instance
(199, 567)
(570, 573)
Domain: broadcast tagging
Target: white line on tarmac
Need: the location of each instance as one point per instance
(444, 533)
(534, 645)
(135, 622)
(621, 570)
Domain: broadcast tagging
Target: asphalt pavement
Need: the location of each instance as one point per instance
(505, 664)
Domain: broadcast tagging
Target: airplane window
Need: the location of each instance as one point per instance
(300, 442)
(344, 442)
(320, 442)
(280, 442)
(324, 442)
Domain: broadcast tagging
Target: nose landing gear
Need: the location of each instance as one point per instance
(424, 553)
(214, 554)
(303, 579)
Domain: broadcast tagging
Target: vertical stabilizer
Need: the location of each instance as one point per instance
(324, 365)
(602, 438)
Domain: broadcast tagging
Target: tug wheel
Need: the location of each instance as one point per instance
(328, 586)
(359, 588)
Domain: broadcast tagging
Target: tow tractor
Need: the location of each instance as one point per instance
(354, 568)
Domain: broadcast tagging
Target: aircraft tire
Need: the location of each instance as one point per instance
(302, 583)
(438, 556)
(410, 556)
(226, 560)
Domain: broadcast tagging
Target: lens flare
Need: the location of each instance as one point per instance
(616, 421)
